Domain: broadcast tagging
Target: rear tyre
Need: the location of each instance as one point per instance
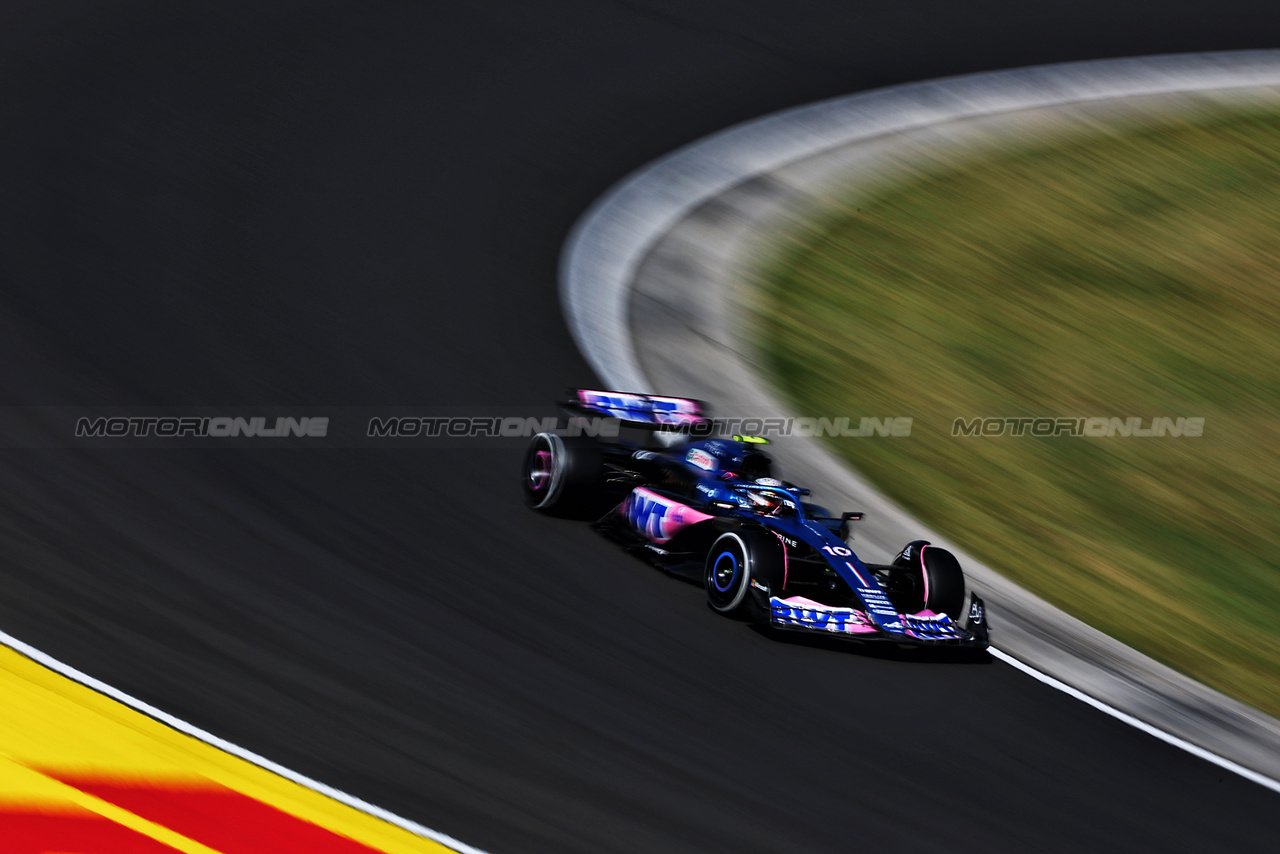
(936, 580)
(735, 559)
(562, 475)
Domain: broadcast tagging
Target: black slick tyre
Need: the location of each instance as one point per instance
(561, 475)
(937, 580)
(735, 558)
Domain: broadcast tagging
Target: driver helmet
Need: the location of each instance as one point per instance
(767, 502)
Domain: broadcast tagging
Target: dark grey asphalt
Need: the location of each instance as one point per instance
(309, 205)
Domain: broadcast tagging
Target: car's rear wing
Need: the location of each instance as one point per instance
(639, 410)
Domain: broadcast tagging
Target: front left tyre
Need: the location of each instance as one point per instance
(935, 580)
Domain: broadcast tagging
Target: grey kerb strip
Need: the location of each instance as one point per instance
(651, 283)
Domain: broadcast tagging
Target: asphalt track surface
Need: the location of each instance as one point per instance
(309, 206)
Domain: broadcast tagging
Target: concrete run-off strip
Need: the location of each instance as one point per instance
(654, 277)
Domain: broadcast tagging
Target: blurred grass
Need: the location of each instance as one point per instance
(1135, 272)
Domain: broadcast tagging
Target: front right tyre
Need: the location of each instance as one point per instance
(734, 560)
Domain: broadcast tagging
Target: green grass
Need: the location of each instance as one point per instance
(1134, 272)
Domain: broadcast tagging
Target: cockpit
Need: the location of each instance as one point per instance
(767, 498)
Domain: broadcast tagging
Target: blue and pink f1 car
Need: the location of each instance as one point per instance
(710, 509)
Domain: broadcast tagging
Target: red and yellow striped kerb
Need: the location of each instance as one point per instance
(81, 773)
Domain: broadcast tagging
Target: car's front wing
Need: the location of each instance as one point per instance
(796, 613)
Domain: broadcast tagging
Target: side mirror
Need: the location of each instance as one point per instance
(846, 532)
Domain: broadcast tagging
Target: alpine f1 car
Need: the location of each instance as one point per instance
(710, 509)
